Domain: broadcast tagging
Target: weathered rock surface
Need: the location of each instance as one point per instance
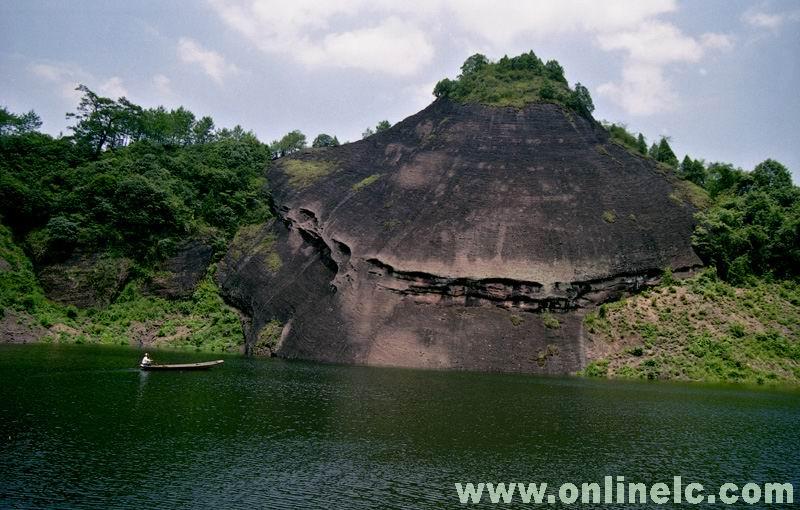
(18, 327)
(465, 236)
(85, 280)
(178, 276)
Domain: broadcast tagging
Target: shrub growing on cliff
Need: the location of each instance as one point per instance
(325, 140)
(514, 81)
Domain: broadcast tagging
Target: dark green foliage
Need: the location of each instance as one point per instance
(380, 127)
(292, 142)
(13, 124)
(693, 170)
(514, 81)
(444, 88)
(723, 178)
(754, 226)
(620, 134)
(653, 151)
(641, 145)
(103, 123)
(663, 153)
(554, 71)
(580, 100)
(772, 176)
(159, 177)
(325, 140)
(201, 322)
(474, 64)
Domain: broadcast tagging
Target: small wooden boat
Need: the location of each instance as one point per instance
(184, 366)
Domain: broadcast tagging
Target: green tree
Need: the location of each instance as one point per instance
(99, 121)
(664, 153)
(641, 145)
(548, 91)
(11, 123)
(754, 227)
(723, 178)
(325, 140)
(693, 170)
(581, 101)
(292, 142)
(382, 126)
(653, 151)
(203, 130)
(554, 71)
(474, 64)
(771, 175)
(367, 133)
(444, 87)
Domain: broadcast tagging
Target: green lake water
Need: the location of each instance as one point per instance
(80, 427)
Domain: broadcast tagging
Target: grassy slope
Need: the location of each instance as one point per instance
(202, 322)
(700, 329)
(512, 91)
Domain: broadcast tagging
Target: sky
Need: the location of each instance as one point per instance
(719, 77)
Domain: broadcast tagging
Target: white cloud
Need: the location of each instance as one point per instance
(302, 30)
(644, 88)
(396, 37)
(212, 63)
(163, 85)
(420, 95)
(65, 77)
(501, 21)
(762, 19)
(393, 47)
(112, 87)
(769, 21)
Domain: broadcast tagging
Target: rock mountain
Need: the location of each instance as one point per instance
(466, 236)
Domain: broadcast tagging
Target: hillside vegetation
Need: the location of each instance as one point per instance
(514, 81)
(739, 321)
(700, 329)
(129, 182)
(201, 322)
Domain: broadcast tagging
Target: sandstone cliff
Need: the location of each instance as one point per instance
(465, 236)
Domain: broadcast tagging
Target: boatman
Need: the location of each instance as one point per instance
(146, 360)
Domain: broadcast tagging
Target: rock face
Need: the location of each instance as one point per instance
(465, 236)
(178, 276)
(85, 280)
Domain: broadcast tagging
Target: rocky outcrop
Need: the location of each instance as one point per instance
(464, 237)
(18, 327)
(177, 277)
(85, 280)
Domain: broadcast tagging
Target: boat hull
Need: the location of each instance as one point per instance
(184, 366)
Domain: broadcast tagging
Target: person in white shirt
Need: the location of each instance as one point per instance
(146, 360)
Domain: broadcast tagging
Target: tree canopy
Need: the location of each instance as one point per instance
(11, 123)
(753, 228)
(130, 179)
(325, 140)
(380, 127)
(291, 142)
